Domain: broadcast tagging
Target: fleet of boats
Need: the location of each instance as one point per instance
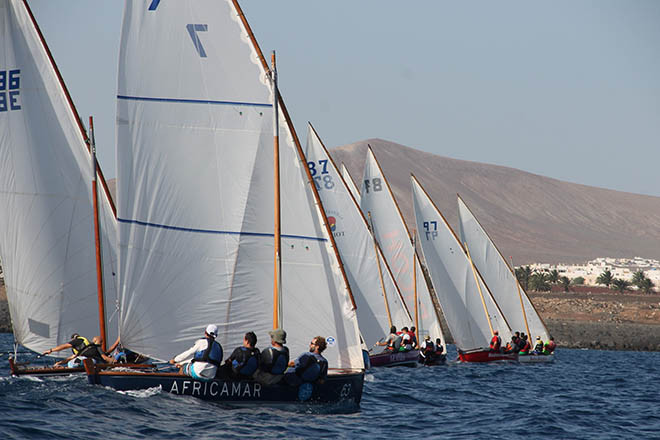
(223, 217)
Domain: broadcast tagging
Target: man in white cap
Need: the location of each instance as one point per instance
(201, 361)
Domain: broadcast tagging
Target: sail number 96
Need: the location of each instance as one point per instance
(10, 83)
(431, 229)
(323, 180)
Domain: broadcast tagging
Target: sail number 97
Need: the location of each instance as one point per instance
(320, 174)
(10, 83)
(431, 229)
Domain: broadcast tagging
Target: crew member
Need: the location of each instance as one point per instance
(243, 361)
(393, 341)
(538, 347)
(496, 341)
(309, 367)
(81, 348)
(274, 359)
(427, 351)
(201, 361)
(549, 346)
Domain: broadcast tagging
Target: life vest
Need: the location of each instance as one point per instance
(429, 348)
(78, 347)
(525, 348)
(538, 347)
(495, 343)
(246, 362)
(275, 360)
(212, 354)
(549, 347)
(315, 368)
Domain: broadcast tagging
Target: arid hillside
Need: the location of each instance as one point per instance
(530, 217)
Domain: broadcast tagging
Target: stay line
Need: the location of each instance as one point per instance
(191, 101)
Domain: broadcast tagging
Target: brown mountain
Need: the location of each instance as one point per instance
(530, 217)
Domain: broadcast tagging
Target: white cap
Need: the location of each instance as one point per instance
(212, 330)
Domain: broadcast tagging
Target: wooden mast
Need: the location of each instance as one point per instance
(414, 244)
(97, 237)
(277, 278)
(380, 271)
(481, 294)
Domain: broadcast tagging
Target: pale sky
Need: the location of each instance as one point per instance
(566, 89)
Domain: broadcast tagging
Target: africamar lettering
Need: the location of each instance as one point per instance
(215, 388)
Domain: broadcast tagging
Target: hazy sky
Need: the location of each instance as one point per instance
(566, 89)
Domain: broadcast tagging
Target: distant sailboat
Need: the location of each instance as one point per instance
(509, 294)
(46, 224)
(392, 234)
(379, 302)
(195, 128)
(470, 310)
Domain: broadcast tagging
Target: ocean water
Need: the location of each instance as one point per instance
(584, 394)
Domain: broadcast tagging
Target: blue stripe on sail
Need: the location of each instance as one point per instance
(191, 101)
(212, 231)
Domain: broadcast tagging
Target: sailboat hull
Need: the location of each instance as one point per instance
(486, 356)
(536, 359)
(343, 387)
(399, 359)
(22, 369)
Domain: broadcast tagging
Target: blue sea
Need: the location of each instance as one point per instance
(584, 394)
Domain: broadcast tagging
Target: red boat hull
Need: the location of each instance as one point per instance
(486, 356)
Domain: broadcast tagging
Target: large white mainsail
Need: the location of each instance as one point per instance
(499, 277)
(454, 279)
(350, 183)
(356, 247)
(194, 158)
(46, 223)
(392, 235)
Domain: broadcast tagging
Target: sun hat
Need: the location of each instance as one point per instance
(278, 335)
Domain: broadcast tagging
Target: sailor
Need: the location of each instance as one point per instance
(309, 367)
(439, 349)
(427, 351)
(549, 346)
(274, 359)
(512, 346)
(201, 361)
(524, 345)
(243, 361)
(496, 341)
(81, 348)
(413, 336)
(406, 340)
(538, 347)
(393, 341)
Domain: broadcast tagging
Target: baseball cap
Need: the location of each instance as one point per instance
(212, 330)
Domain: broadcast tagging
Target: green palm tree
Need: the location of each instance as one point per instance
(565, 283)
(540, 281)
(523, 274)
(605, 278)
(620, 285)
(638, 278)
(554, 276)
(646, 285)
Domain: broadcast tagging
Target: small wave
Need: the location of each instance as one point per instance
(369, 378)
(141, 393)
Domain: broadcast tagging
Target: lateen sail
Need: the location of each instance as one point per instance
(46, 223)
(392, 235)
(454, 279)
(194, 157)
(356, 247)
(497, 274)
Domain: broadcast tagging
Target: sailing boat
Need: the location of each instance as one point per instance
(379, 302)
(391, 232)
(47, 224)
(500, 277)
(196, 117)
(470, 310)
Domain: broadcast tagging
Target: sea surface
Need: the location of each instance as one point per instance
(584, 394)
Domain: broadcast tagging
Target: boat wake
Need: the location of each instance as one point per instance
(141, 394)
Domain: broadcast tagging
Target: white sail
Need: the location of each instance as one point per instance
(392, 235)
(195, 164)
(498, 275)
(46, 222)
(454, 279)
(356, 247)
(350, 183)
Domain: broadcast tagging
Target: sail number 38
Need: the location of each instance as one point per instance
(10, 84)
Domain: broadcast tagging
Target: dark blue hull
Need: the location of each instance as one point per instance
(344, 388)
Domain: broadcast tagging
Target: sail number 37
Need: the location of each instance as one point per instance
(10, 84)
(320, 174)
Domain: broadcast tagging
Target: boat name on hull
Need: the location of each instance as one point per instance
(215, 388)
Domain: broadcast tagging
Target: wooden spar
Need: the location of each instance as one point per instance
(522, 305)
(481, 294)
(380, 271)
(414, 245)
(97, 237)
(277, 273)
